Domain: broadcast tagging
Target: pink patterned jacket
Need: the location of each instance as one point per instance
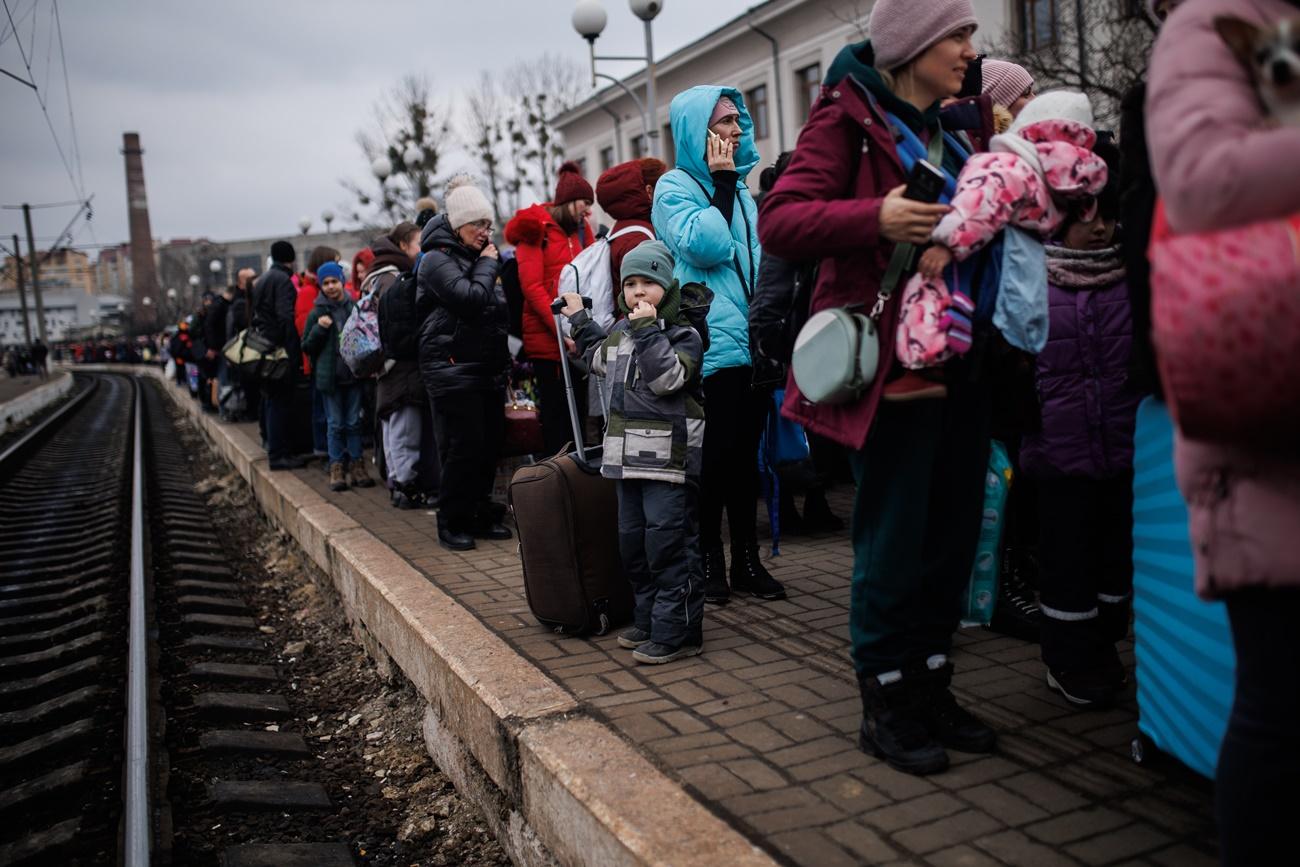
(1020, 182)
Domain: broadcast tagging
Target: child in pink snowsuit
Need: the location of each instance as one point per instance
(1042, 162)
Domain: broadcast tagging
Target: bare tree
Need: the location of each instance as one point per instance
(412, 131)
(1098, 46)
(854, 12)
(484, 120)
(543, 88)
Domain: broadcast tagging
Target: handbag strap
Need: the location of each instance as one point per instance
(901, 259)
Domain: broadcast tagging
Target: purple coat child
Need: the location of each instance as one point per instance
(1088, 406)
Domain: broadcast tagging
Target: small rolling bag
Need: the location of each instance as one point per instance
(567, 517)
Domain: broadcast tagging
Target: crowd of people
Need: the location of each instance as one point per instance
(1013, 305)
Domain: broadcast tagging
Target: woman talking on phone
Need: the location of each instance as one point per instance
(919, 464)
(705, 214)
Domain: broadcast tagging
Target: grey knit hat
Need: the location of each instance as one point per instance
(901, 29)
(649, 259)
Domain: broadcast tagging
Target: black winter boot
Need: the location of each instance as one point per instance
(948, 722)
(716, 590)
(453, 537)
(817, 515)
(892, 728)
(748, 575)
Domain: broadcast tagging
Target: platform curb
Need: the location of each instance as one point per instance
(586, 795)
(17, 410)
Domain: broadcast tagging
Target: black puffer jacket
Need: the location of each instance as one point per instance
(273, 298)
(462, 312)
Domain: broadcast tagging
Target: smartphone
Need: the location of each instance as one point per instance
(713, 136)
(924, 184)
(973, 83)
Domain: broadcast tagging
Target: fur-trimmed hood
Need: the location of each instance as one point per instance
(530, 225)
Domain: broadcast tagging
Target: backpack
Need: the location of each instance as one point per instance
(588, 274)
(359, 342)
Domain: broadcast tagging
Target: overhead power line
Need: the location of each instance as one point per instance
(72, 178)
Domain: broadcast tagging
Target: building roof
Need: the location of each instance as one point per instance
(754, 15)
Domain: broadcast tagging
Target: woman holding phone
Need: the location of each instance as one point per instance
(919, 464)
(705, 214)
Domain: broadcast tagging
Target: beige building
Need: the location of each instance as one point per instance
(777, 54)
(64, 271)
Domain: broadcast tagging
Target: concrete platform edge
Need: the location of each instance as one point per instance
(557, 785)
(16, 411)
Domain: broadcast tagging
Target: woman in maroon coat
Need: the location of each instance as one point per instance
(919, 464)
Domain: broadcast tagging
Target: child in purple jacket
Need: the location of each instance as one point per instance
(1082, 457)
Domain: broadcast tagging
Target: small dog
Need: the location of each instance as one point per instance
(1272, 54)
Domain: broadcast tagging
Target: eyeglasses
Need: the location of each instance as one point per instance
(482, 225)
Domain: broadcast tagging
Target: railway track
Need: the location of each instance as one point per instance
(125, 644)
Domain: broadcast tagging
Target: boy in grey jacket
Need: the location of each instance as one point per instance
(651, 363)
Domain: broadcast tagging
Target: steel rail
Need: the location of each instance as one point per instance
(137, 823)
(37, 433)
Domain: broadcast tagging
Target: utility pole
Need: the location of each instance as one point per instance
(22, 291)
(36, 273)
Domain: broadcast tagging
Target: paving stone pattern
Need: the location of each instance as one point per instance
(762, 726)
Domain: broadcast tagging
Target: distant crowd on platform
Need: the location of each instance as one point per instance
(1011, 306)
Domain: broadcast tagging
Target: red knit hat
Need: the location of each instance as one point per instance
(572, 186)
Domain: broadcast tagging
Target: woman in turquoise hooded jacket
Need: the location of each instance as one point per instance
(705, 214)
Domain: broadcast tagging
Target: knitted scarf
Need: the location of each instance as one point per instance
(1084, 269)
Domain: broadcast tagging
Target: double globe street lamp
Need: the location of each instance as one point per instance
(589, 20)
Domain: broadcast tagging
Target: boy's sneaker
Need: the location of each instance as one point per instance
(1085, 688)
(913, 386)
(654, 653)
(633, 638)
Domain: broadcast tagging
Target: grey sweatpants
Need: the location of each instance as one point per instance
(659, 540)
(402, 444)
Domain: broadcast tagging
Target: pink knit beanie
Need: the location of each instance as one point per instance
(724, 108)
(1005, 81)
(902, 29)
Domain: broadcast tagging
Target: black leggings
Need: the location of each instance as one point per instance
(1256, 797)
(734, 412)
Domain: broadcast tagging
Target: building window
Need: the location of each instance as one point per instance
(1037, 24)
(606, 158)
(582, 166)
(756, 100)
(639, 148)
(668, 146)
(808, 84)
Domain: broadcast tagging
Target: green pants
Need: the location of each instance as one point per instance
(916, 520)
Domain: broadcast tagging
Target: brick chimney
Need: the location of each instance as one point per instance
(144, 274)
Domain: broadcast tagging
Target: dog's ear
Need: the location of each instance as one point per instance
(1240, 37)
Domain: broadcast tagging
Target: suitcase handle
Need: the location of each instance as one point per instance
(575, 420)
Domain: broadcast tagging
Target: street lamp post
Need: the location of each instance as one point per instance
(214, 267)
(328, 216)
(589, 20)
(381, 168)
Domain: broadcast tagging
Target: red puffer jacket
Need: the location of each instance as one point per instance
(543, 249)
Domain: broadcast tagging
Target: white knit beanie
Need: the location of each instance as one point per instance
(1054, 105)
(902, 29)
(466, 202)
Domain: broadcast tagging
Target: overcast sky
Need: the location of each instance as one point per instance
(247, 109)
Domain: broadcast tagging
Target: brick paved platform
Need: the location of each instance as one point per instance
(761, 727)
(17, 386)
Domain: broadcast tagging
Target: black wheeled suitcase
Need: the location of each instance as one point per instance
(567, 517)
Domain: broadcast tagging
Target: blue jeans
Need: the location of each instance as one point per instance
(343, 419)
